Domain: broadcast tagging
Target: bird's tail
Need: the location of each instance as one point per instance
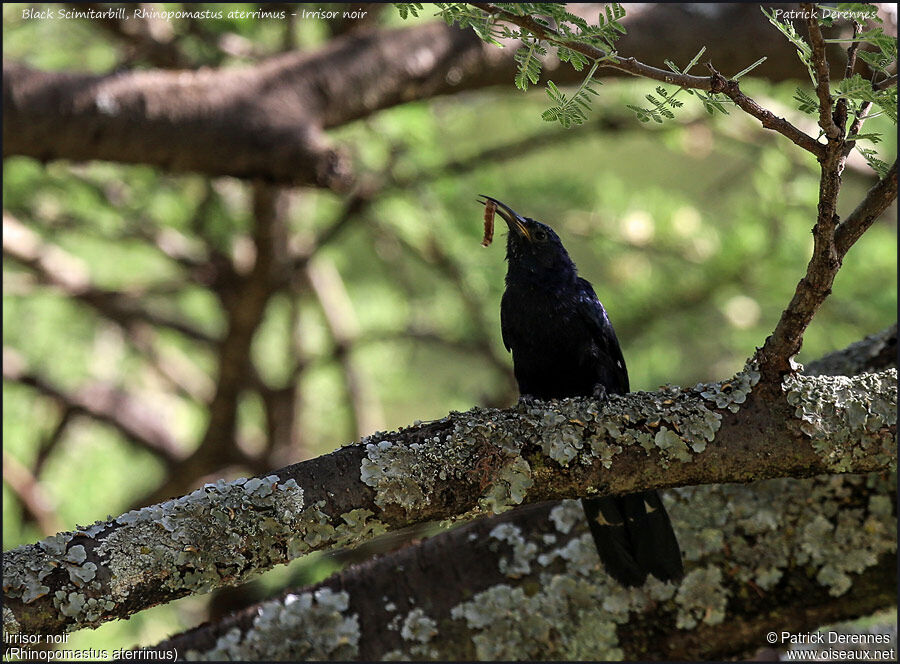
(634, 537)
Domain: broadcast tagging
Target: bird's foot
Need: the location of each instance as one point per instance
(525, 400)
(600, 393)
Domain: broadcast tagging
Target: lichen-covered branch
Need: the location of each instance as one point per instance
(460, 467)
(770, 556)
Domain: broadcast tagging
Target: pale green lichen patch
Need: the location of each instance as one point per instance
(386, 468)
(864, 539)
(315, 530)
(486, 444)
(563, 620)
(764, 539)
(671, 421)
(311, 626)
(417, 626)
(513, 481)
(406, 475)
(523, 552)
(219, 534)
(564, 615)
(846, 416)
(565, 515)
(701, 597)
(732, 393)
(10, 624)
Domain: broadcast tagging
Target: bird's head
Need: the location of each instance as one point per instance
(534, 250)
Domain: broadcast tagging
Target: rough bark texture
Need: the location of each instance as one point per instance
(774, 555)
(460, 467)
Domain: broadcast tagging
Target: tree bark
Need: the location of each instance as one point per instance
(776, 555)
(460, 467)
(267, 120)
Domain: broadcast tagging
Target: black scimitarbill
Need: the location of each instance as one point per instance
(563, 345)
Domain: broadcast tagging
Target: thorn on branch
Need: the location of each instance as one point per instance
(717, 82)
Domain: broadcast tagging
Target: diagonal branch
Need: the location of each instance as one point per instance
(104, 403)
(331, 294)
(56, 267)
(877, 200)
(460, 467)
(27, 488)
(496, 588)
(775, 355)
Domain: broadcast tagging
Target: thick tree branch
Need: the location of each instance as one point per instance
(462, 466)
(529, 586)
(266, 120)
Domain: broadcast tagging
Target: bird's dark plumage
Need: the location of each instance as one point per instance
(563, 345)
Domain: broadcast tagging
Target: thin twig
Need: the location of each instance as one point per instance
(713, 83)
(27, 488)
(886, 83)
(841, 109)
(769, 120)
(826, 121)
(876, 201)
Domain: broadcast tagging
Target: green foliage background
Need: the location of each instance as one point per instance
(694, 235)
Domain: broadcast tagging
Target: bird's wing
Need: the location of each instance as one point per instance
(594, 315)
(505, 328)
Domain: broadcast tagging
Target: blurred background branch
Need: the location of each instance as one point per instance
(162, 321)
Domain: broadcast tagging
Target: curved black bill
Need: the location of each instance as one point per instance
(512, 219)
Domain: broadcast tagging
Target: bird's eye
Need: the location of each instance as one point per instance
(540, 235)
